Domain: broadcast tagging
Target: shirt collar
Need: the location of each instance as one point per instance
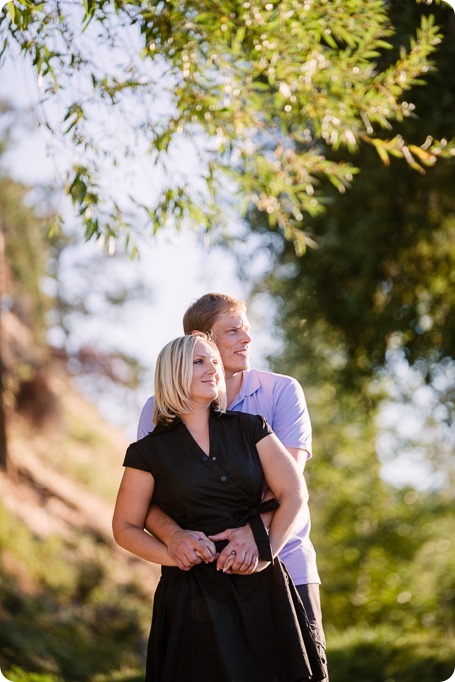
(250, 384)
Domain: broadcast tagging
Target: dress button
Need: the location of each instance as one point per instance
(204, 458)
(214, 459)
(223, 478)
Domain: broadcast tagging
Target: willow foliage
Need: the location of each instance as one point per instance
(235, 101)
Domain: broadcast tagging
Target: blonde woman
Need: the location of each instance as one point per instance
(207, 468)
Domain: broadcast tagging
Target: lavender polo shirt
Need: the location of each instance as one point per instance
(280, 399)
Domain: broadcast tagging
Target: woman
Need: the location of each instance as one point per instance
(206, 468)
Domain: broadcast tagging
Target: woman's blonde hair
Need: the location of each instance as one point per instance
(173, 376)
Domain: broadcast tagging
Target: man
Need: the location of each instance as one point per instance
(278, 398)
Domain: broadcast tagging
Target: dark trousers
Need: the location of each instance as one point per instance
(309, 594)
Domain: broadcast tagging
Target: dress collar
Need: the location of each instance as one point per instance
(159, 428)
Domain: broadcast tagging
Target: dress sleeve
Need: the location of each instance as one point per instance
(138, 457)
(261, 428)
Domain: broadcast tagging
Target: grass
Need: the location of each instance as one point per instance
(16, 674)
(387, 654)
(63, 617)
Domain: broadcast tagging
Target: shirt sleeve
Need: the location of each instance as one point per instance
(146, 424)
(291, 420)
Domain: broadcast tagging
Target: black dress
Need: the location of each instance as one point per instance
(209, 626)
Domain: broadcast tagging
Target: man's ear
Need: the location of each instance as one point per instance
(210, 335)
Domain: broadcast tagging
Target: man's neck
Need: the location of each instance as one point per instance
(233, 386)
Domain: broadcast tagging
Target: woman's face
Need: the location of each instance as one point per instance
(206, 373)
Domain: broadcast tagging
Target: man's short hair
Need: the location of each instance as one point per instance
(202, 314)
(173, 376)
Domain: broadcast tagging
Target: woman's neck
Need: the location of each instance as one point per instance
(197, 423)
(198, 417)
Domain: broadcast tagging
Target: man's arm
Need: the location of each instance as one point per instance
(186, 547)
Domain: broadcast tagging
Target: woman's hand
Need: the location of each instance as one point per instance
(262, 565)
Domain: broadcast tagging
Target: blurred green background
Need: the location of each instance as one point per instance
(364, 318)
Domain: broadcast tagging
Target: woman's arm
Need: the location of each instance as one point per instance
(300, 457)
(131, 507)
(284, 477)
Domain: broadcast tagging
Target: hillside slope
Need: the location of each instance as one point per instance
(72, 603)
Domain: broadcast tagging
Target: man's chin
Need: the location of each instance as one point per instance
(244, 366)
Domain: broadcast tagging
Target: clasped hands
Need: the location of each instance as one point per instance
(189, 548)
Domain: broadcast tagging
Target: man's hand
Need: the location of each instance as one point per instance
(240, 554)
(189, 548)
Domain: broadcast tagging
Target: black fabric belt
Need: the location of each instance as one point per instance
(258, 529)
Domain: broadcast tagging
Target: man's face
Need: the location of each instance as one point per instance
(231, 335)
